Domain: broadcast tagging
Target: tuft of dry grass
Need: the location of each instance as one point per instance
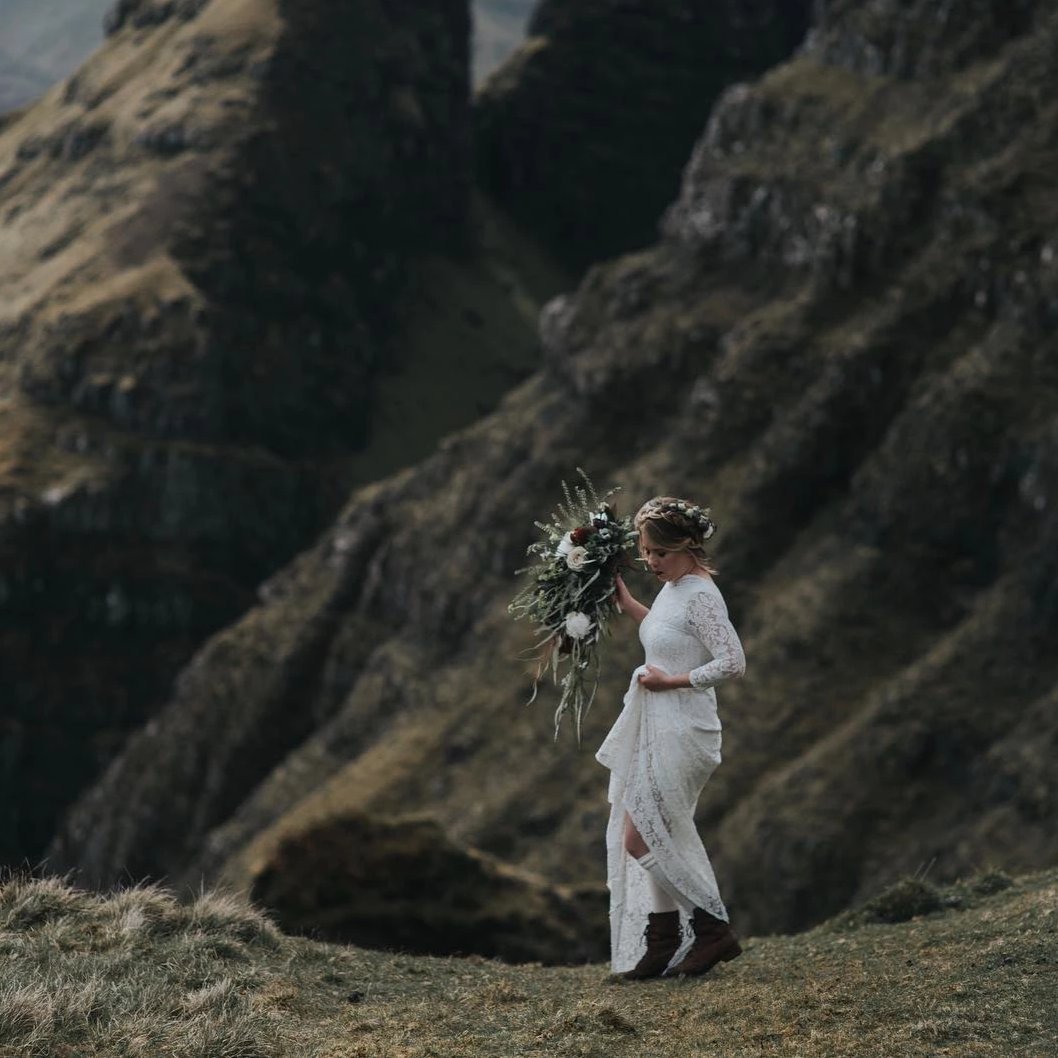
(138, 974)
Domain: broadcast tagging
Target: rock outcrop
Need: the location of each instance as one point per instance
(583, 132)
(844, 343)
(206, 232)
(44, 40)
(402, 884)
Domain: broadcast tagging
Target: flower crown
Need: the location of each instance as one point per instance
(690, 512)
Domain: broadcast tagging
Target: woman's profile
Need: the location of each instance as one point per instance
(661, 751)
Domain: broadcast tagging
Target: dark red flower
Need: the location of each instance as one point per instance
(580, 536)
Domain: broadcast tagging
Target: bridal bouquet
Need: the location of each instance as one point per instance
(570, 593)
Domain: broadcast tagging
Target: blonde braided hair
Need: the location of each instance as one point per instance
(676, 525)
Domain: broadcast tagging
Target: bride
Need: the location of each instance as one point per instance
(661, 751)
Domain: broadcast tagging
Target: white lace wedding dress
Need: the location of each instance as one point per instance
(660, 752)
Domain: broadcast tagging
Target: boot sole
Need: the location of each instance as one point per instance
(731, 953)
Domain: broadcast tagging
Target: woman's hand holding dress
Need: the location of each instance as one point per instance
(655, 679)
(709, 621)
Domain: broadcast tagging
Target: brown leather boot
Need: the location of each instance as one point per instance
(714, 941)
(663, 938)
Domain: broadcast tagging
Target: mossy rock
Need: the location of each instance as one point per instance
(403, 884)
(907, 899)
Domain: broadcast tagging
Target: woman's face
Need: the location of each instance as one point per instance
(665, 564)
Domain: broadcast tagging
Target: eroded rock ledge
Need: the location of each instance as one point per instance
(403, 885)
(205, 231)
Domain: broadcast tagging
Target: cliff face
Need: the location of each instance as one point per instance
(44, 40)
(844, 344)
(583, 132)
(206, 232)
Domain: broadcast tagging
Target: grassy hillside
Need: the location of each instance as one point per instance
(139, 974)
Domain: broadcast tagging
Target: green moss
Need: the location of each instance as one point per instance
(903, 901)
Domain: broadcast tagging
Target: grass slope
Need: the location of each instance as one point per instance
(139, 974)
(465, 334)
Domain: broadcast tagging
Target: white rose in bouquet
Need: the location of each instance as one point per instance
(577, 558)
(578, 624)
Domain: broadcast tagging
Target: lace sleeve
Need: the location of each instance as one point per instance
(707, 616)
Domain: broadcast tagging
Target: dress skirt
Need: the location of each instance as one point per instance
(661, 751)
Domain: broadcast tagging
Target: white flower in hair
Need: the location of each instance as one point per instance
(578, 624)
(577, 558)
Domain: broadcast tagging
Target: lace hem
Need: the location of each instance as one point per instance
(663, 813)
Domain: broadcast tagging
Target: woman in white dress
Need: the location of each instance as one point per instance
(661, 751)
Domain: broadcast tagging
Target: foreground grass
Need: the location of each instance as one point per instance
(138, 974)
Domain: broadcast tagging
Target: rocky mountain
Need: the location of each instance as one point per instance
(584, 130)
(43, 41)
(223, 238)
(844, 343)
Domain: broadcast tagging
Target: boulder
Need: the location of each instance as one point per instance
(401, 884)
